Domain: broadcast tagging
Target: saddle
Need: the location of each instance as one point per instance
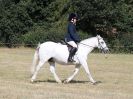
(68, 45)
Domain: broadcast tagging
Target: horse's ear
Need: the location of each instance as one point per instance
(98, 36)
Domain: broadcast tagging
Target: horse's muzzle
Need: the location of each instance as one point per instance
(105, 50)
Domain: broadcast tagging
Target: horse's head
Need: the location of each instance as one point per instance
(102, 45)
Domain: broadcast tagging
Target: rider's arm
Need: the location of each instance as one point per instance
(73, 33)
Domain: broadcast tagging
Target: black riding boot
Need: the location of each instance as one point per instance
(72, 53)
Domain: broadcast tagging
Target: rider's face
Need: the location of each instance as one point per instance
(74, 20)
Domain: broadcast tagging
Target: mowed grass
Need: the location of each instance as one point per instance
(115, 74)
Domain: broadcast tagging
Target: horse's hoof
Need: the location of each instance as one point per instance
(96, 82)
(65, 81)
(59, 82)
(32, 81)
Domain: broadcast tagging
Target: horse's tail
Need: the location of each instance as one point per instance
(35, 59)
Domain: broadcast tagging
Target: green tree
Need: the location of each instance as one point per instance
(33, 21)
(14, 22)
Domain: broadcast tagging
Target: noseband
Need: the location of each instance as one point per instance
(102, 48)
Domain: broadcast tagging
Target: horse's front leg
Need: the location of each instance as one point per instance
(73, 75)
(52, 69)
(85, 66)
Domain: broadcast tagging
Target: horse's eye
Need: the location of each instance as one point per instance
(102, 42)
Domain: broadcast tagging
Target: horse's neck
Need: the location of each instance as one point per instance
(91, 41)
(88, 45)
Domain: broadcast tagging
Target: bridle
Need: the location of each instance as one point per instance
(101, 47)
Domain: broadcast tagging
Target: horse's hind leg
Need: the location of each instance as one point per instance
(52, 69)
(73, 75)
(40, 64)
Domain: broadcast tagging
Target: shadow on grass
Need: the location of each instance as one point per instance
(71, 82)
(77, 81)
(41, 81)
(84, 82)
(53, 81)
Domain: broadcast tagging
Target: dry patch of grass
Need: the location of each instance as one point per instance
(115, 73)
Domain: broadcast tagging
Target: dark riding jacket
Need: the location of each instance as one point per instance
(71, 33)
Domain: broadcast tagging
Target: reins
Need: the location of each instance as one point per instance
(86, 45)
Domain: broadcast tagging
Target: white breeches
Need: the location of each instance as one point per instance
(72, 43)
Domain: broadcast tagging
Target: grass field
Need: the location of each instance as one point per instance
(115, 73)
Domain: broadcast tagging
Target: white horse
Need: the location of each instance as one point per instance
(52, 52)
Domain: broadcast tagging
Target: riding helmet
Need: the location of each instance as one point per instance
(72, 15)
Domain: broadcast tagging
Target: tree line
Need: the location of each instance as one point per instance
(28, 22)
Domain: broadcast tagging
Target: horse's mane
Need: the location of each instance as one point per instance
(85, 40)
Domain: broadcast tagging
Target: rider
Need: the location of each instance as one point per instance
(72, 38)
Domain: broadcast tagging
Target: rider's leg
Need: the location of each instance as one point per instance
(72, 51)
